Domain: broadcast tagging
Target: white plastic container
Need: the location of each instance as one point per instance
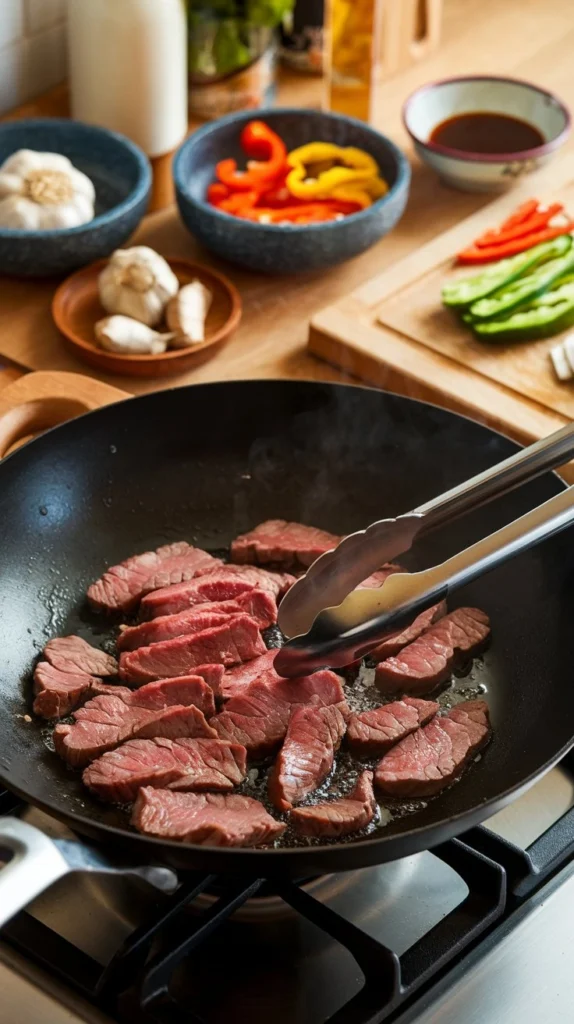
(128, 68)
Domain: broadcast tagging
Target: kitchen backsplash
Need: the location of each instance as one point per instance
(32, 49)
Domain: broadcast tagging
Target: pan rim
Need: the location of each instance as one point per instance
(436, 832)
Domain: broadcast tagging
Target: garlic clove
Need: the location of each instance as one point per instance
(10, 184)
(187, 312)
(560, 362)
(124, 335)
(137, 282)
(17, 213)
(82, 185)
(26, 160)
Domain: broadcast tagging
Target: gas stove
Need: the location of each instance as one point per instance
(479, 929)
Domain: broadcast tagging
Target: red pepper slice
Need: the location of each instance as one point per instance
(217, 193)
(305, 213)
(537, 220)
(488, 254)
(268, 153)
(522, 213)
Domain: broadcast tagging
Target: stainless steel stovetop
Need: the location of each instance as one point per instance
(267, 962)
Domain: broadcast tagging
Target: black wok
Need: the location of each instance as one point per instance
(206, 462)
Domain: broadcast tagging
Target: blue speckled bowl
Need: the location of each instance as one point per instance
(279, 248)
(122, 178)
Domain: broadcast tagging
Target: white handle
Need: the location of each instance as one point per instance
(35, 864)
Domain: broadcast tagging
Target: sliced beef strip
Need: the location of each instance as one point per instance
(335, 818)
(183, 764)
(372, 733)
(57, 693)
(427, 662)
(258, 718)
(236, 679)
(376, 579)
(396, 641)
(258, 604)
(222, 584)
(72, 654)
(278, 542)
(106, 721)
(206, 819)
(237, 639)
(431, 758)
(121, 587)
(313, 737)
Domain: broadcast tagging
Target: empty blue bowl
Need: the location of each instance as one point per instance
(281, 248)
(121, 175)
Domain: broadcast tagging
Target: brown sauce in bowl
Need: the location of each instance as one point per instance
(486, 133)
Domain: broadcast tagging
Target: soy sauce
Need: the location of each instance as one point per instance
(486, 133)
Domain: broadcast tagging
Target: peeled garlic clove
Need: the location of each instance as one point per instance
(187, 312)
(130, 337)
(137, 282)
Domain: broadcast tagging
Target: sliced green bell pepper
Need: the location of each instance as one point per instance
(466, 291)
(547, 315)
(521, 292)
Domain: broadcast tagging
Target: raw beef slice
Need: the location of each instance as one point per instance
(258, 718)
(258, 604)
(313, 737)
(372, 733)
(237, 639)
(57, 693)
(121, 587)
(335, 818)
(160, 709)
(431, 758)
(72, 654)
(396, 641)
(283, 543)
(423, 665)
(222, 584)
(236, 679)
(206, 819)
(183, 764)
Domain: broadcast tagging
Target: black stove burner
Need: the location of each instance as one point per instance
(182, 965)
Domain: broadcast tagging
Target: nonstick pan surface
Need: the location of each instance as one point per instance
(207, 462)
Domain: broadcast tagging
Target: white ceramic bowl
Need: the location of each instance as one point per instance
(484, 172)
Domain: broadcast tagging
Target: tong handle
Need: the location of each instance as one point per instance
(544, 455)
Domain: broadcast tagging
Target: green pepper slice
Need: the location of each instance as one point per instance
(521, 292)
(546, 316)
(467, 290)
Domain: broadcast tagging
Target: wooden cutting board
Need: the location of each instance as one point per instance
(393, 332)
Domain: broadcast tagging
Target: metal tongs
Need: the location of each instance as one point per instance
(332, 624)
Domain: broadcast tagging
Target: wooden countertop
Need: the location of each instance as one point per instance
(521, 38)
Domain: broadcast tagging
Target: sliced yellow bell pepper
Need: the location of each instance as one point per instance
(311, 176)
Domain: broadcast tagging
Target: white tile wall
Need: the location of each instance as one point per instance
(32, 49)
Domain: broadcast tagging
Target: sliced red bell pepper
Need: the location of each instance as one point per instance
(268, 159)
(306, 213)
(216, 193)
(490, 253)
(522, 229)
(522, 213)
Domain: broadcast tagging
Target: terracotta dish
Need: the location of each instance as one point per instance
(76, 308)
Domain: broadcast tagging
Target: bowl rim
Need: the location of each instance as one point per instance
(402, 164)
(488, 158)
(139, 192)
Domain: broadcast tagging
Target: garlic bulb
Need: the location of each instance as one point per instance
(186, 314)
(43, 191)
(137, 282)
(130, 337)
